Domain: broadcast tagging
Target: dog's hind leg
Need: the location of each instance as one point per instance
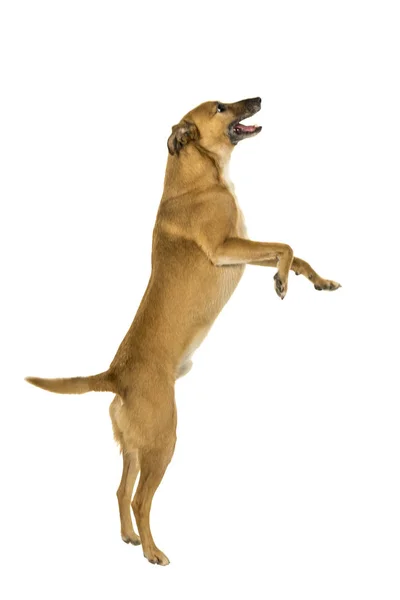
(124, 494)
(153, 464)
(129, 473)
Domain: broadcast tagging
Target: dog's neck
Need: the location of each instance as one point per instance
(225, 175)
(196, 167)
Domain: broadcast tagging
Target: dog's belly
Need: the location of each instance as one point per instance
(208, 307)
(227, 279)
(186, 293)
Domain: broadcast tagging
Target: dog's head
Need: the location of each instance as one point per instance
(215, 126)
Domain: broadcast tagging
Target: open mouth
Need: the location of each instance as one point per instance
(240, 129)
(237, 131)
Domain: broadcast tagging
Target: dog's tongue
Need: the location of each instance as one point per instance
(245, 128)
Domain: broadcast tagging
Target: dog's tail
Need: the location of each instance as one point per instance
(103, 382)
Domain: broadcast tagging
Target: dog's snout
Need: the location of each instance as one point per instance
(253, 103)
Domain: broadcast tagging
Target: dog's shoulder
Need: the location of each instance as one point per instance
(207, 217)
(182, 214)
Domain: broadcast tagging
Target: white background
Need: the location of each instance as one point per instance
(285, 480)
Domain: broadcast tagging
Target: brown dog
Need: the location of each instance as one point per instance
(199, 253)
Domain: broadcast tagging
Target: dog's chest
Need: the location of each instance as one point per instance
(241, 230)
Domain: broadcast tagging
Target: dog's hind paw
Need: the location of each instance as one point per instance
(156, 557)
(131, 538)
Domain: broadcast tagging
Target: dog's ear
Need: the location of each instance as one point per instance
(182, 134)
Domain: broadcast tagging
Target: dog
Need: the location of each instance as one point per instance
(199, 252)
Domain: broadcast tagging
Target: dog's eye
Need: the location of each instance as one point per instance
(221, 107)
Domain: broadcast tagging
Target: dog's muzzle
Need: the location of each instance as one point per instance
(237, 131)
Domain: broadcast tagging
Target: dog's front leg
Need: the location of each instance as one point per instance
(236, 251)
(301, 267)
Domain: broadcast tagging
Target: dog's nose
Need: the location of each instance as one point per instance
(253, 102)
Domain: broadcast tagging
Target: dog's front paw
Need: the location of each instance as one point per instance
(280, 285)
(326, 284)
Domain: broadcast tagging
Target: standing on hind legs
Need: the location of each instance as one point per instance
(200, 249)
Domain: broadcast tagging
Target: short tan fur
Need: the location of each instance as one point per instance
(200, 249)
